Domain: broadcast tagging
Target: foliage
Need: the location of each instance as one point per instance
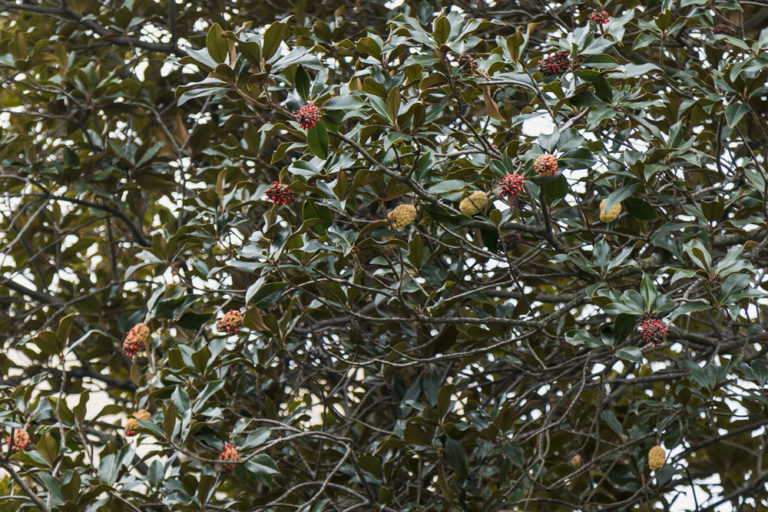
(154, 170)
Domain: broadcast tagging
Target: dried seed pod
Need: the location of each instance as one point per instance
(724, 29)
(511, 240)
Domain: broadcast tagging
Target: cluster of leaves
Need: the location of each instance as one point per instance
(455, 363)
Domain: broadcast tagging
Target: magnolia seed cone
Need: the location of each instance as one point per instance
(610, 215)
(474, 204)
(656, 457)
(402, 216)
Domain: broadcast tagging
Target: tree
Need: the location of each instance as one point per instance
(413, 256)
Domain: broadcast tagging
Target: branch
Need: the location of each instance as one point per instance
(33, 496)
(136, 230)
(19, 288)
(67, 13)
(426, 196)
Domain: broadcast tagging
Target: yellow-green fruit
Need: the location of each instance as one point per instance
(475, 203)
(656, 457)
(610, 215)
(402, 215)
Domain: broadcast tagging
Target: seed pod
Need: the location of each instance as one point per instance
(610, 215)
(136, 339)
(402, 216)
(142, 414)
(546, 164)
(511, 240)
(600, 17)
(20, 439)
(556, 64)
(475, 203)
(511, 185)
(654, 331)
(229, 454)
(308, 116)
(230, 322)
(132, 424)
(656, 458)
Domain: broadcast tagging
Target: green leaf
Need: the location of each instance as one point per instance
(48, 342)
(690, 307)
(317, 140)
(634, 70)
(210, 389)
(48, 448)
(302, 82)
(597, 79)
(514, 452)
(734, 112)
(64, 329)
(181, 400)
(556, 188)
(256, 438)
(251, 50)
(193, 321)
(393, 103)
(617, 196)
(367, 45)
(268, 294)
(262, 464)
(203, 58)
(581, 337)
(441, 28)
(610, 418)
(110, 465)
(216, 44)
(273, 36)
(623, 326)
(457, 457)
(54, 489)
(633, 354)
(648, 291)
(639, 209)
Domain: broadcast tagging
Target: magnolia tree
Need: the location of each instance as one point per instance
(405, 256)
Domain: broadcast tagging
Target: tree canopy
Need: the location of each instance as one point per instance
(406, 256)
